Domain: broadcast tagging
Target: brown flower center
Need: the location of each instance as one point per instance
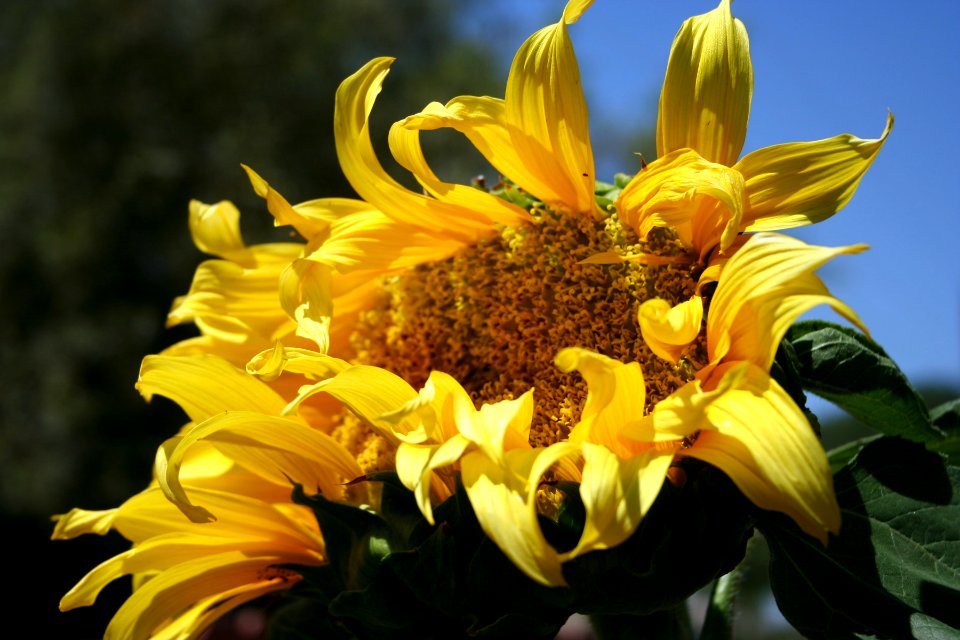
(495, 315)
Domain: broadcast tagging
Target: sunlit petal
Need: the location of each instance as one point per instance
(799, 183)
(667, 330)
(205, 386)
(504, 499)
(705, 102)
(702, 201)
(763, 288)
(758, 436)
(545, 107)
(355, 99)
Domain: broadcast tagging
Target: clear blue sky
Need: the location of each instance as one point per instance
(821, 68)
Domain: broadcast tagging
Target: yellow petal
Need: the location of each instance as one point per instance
(369, 392)
(757, 435)
(667, 330)
(502, 426)
(205, 386)
(405, 146)
(355, 99)
(269, 364)
(372, 240)
(238, 302)
(306, 297)
(216, 230)
(763, 288)
(705, 102)
(547, 113)
(615, 398)
(184, 590)
(310, 219)
(504, 499)
(483, 121)
(702, 201)
(80, 521)
(279, 449)
(616, 494)
(538, 136)
(416, 463)
(799, 183)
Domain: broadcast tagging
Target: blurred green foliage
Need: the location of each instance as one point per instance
(114, 115)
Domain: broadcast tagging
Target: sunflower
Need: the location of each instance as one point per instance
(552, 329)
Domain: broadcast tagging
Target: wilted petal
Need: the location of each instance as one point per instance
(705, 102)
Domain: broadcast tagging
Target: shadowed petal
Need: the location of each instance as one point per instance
(504, 499)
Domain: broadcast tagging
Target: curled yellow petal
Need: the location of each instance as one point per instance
(306, 296)
(547, 113)
(757, 435)
(616, 494)
(763, 288)
(355, 98)
(667, 330)
(279, 449)
(705, 101)
(405, 145)
(702, 200)
(538, 136)
(799, 183)
(504, 497)
(216, 230)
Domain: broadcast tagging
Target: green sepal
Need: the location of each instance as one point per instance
(894, 569)
(847, 368)
(621, 180)
(514, 195)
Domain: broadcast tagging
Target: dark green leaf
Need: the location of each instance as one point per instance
(847, 368)
(946, 417)
(843, 454)
(894, 570)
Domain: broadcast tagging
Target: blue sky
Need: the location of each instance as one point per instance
(821, 68)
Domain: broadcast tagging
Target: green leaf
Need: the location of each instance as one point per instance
(840, 456)
(946, 417)
(850, 370)
(894, 570)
